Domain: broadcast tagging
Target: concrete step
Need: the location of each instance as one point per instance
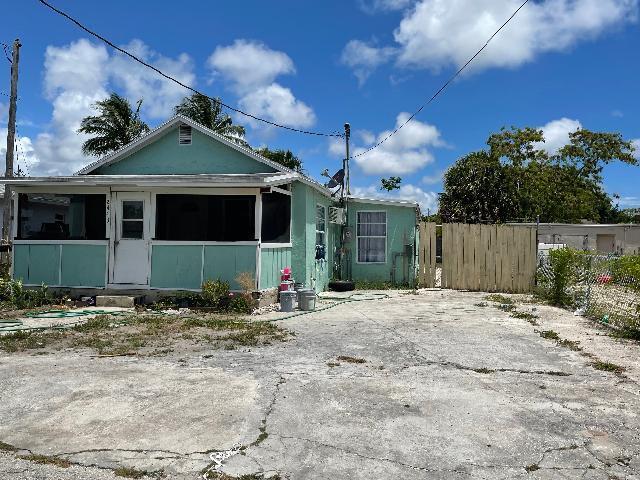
(121, 301)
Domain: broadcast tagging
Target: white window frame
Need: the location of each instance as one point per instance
(386, 220)
(324, 232)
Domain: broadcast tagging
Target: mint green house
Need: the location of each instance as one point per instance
(182, 204)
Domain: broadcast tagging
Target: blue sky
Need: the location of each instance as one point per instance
(560, 64)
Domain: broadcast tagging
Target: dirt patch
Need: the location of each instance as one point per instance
(348, 359)
(147, 334)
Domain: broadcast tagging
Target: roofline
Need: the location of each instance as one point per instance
(152, 134)
(240, 180)
(384, 201)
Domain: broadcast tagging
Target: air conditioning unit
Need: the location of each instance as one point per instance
(337, 216)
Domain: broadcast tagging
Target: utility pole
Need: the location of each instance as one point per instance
(11, 138)
(347, 135)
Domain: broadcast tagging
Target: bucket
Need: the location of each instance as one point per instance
(287, 301)
(302, 291)
(307, 300)
(286, 285)
(297, 286)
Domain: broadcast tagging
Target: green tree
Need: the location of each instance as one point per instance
(116, 125)
(515, 179)
(208, 113)
(286, 158)
(391, 183)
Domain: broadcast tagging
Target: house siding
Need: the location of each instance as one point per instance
(64, 264)
(272, 261)
(166, 157)
(401, 231)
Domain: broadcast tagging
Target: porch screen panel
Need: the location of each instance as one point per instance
(219, 218)
(276, 218)
(48, 216)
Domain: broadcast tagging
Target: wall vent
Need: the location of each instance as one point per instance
(184, 135)
(337, 216)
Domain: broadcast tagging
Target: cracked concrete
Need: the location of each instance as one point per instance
(448, 390)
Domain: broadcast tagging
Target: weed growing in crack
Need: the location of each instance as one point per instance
(607, 367)
(570, 344)
(127, 472)
(532, 468)
(549, 335)
(524, 315)
(483, 370)
(348, 359)
(332, 364)
(5, 447)
(46, 460)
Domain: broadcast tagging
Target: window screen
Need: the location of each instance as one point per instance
(276, 218)
(371, 232)
(47, 216)
(219, 218)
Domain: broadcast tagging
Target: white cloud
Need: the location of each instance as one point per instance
(373, 6)
(433, 178)
(636, 145)
(363, 58)
(403, 153)
(159, 95)
(278, 103)
(439, 33)
(24, 157)
(81, 73)
(426, 200)
(251, 69)
(629, 202)
(248, 65)
(556, 134)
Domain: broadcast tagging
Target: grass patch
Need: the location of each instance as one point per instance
(497, 298)
(607, 367)
(348, 359)
(524, 315)
(145, 334)
(332, 364)
(549, 335)
(532, 468)
(211, 475)
(379, 285)
(262, 437)
(626, 333)
(127, 472)
(46, 460)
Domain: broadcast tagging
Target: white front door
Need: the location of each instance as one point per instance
(131, 240)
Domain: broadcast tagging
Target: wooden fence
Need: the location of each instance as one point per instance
(427, 255)
(487, 258)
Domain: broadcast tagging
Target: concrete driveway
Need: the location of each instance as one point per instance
(449, 388)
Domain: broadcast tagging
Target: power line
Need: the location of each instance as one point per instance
(435, 95)
(175, 80)
(4, 47)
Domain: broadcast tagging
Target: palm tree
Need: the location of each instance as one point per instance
(208, 112)
(115, 126)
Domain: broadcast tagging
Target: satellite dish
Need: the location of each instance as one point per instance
(337, 179)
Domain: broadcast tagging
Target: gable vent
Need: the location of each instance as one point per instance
(184, 135)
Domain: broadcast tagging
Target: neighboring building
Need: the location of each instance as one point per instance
(613, 238)
(181, 205)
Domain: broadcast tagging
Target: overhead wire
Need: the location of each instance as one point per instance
(446, 84)
(178, 82)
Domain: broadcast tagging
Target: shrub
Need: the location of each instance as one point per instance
(215, 293)
(626, 270)
(13, 294)
(241, 303)
(563, 270)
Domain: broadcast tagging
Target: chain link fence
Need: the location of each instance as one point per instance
(603, 287)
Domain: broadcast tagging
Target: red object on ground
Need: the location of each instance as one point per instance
(604, 278)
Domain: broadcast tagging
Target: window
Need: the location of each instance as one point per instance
(132, 219)
(48, 216)
(371, 233)
(219, 218)
(184, 135)
(321, 225)
(276, 218)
